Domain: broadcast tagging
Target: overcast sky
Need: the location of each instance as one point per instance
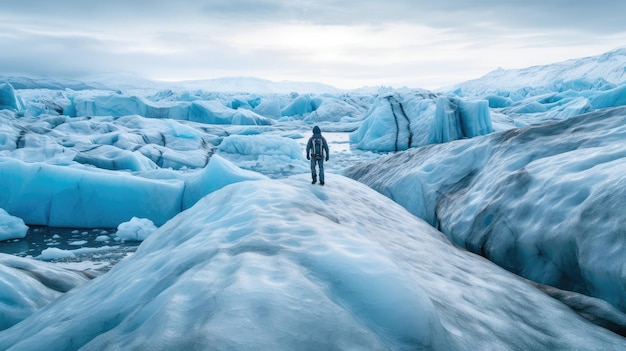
(345, 43)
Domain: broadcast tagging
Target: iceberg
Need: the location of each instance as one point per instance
(11, 227)
(58, 196)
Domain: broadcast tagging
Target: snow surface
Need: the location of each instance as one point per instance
(248, 254)
(298, 266)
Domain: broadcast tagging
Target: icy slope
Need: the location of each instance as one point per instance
(283, 264)
(545, 202)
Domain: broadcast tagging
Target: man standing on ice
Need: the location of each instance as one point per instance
(317, 152)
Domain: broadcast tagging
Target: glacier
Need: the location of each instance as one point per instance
(481, 216)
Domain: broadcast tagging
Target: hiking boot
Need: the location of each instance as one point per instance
(321, 183)
(314, 181)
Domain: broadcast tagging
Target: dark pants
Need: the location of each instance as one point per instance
(320, 162)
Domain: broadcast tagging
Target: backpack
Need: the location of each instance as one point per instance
(317, 148)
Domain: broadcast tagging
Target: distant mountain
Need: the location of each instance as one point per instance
(606, 68)
(256, 86)
(129, 81)
(21, 82)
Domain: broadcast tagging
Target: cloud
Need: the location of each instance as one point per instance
(346, 43)
(600, 16)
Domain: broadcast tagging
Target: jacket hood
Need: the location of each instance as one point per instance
(316, 130)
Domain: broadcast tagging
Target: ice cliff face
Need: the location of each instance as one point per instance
(416, 118)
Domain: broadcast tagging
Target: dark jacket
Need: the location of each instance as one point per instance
(317, 133)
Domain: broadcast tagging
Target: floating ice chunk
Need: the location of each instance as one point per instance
(53, 253)
(11, 227)
(101, 238)
(137, 229)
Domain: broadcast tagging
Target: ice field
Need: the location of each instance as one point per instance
(470, 218)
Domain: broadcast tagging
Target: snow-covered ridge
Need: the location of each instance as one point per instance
(595, 71)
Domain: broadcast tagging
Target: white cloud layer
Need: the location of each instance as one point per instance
(346, 44)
